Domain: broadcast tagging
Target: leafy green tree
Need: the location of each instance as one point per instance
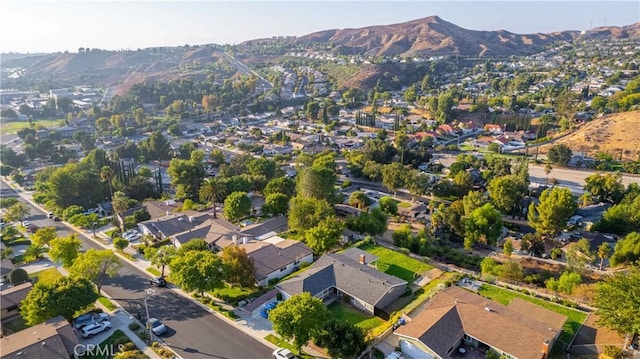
(341, 339)
(212, 190)
(393, 176)
(388, 205)
(372, 223)
(359, 200)
(578, 255)
(186, 175)
(34, 252)
(507, 248)
(617, 301)
(236, 206)
(196, 244)
(560, 154)
(300, 318)
(621, 218)
(607, 187)
(161, 257)
(65, 297)
(96, 266)
(417, 183)
(65, 249)
(120, 243)
(506, 192)
(489, 267)
(217, 157)
(17, 212)
(325, 236)
(551, 215)
(44, 235)
(200, 271)
(157, 147)
(240, 268)
(317, 182)
(484, 225)
(568, 281)
(262, 166)
(307, 212)
(275, 204)
(282, 185)
(627, 250)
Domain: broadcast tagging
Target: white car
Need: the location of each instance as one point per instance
(157, 326)
(282, 353)
(95, 328)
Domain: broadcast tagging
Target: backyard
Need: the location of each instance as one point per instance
(396, 263)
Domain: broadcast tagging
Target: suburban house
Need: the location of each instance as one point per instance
(159, 209)
(340, 276)
(493, 128)
(105, 209)
(11, 299)
(168, 226)
(457, 320)
(266, 228)
(5, 265)
(52, 339)
(276, 257)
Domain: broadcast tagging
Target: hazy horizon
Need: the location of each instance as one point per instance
(56, 26)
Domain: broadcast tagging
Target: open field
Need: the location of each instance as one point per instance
(610, 134)
(11, 127)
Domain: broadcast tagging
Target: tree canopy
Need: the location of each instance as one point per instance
(200, 271)
(307, 212)
(237, 205)
(325, 235)
(96, 266)
(300, 318)
(551, 215)
(617, 301)
(65, 297)
(484, 225)
(627, 250)
(65, 249)
(560, 154)
(240, 268)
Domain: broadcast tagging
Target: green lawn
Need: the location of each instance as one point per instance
(47, 276)
(504, 296)
(153, 271)
(11, 127)
(284, 344)
(233, 294)
(404, 204)
(396, 263)
(107, 303)
(354, 316)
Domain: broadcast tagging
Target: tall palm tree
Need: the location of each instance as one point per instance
(106, 175)
(604, 252)
(120, 203)
(212, 190)
(163, 256)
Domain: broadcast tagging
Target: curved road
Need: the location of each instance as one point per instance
(193, 332)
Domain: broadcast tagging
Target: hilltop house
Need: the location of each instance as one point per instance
(456, 318)
(335, 276)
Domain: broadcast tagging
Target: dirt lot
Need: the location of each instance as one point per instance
(590, 333)
(608, 134)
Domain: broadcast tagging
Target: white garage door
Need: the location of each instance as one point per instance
(413, 351)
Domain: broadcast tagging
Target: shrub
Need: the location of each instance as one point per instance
(127, 345)
(121, 341)
(279, 296)
(134, 326)
(17, 276)
(613, 352)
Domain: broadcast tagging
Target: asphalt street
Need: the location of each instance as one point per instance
(193, 332)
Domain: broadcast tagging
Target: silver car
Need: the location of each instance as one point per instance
(95, 328)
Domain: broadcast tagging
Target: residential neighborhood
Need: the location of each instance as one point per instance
(298, 197)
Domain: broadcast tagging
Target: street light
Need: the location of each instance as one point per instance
(150, 292)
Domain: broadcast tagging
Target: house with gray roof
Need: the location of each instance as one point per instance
(341, 276)
(276, 257)
(172, 224)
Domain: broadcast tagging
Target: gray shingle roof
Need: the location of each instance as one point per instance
(267, 257)
(346, 274)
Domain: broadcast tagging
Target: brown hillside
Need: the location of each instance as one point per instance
(608, 134)
(434, 36)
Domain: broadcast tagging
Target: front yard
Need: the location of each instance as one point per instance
(347, 314)
(46, 276)
(396, 263)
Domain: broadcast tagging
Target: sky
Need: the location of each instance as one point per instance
(51, 26)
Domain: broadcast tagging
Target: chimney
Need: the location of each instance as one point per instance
(167, 212)
(234, 239)
(363, 259)
(191, 218)
(244, 240)
(545, 347)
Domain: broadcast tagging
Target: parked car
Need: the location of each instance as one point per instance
(101, 317)
(26, 224)
(95, 328)
(50, 215)
(83, 320)
(282, 353)
(157, 327)
(158, 281)
(56, 218)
